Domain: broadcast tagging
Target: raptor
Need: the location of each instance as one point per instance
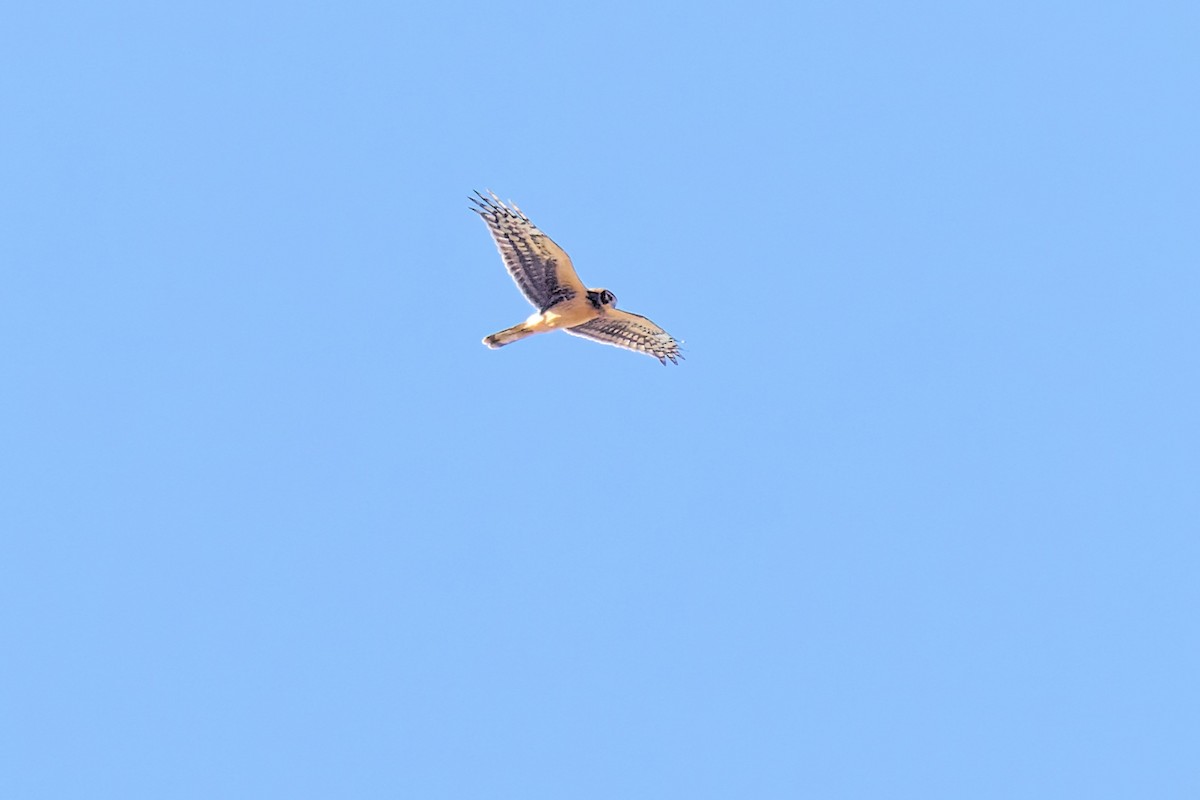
(544, 274)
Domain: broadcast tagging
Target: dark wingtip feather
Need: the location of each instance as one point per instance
(482, 202)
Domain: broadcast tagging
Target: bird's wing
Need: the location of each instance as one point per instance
(632, 332)
(542, 271)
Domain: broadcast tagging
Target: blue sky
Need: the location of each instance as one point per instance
(917, 517)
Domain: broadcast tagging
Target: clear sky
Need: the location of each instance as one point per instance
(917, 518)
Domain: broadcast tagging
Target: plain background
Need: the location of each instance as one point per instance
(917, 517)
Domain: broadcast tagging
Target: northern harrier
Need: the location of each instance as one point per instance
(544, 274)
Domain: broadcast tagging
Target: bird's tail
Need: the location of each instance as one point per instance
(507, 336)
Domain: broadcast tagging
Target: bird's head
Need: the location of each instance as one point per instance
(601, 297)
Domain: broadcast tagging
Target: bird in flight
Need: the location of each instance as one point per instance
(544, 274)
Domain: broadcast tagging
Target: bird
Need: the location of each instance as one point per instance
(543, 272)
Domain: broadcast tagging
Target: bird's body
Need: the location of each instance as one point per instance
(544, 274)
(561, 316)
